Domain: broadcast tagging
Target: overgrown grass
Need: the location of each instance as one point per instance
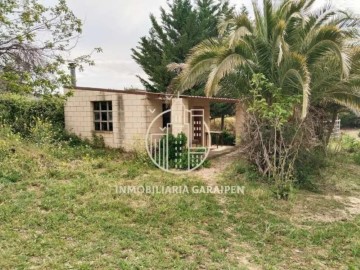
(310, 231)
(59, 210)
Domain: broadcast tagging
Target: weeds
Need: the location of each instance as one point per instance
(63, 198)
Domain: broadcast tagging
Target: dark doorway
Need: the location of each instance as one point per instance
(166, 117)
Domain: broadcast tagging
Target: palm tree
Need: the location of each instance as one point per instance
(297, 49)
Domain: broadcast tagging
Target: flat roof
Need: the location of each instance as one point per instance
(159, 95)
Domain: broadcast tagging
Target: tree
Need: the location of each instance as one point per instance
(221, 110)
(286, 62)
(170, 40)
(292, 46)
(34, 40)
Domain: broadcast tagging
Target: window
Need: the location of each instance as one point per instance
(103, 116)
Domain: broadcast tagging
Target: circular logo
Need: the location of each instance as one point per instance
(178, 141)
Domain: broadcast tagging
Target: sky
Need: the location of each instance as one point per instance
(116, 26)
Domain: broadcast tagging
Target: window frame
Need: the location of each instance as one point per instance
(103, 108)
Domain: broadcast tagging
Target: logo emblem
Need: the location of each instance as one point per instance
(179, 146)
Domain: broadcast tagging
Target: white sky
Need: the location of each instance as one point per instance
(116, 26)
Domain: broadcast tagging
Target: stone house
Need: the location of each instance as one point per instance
(124, 117)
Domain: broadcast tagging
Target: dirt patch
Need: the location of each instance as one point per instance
(218, 165)
(352, 205)
(351, 132)
(327, 208)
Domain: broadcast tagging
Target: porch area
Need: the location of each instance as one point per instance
(221, 150)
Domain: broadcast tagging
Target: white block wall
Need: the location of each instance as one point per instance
(79, 115)
(239, 121)
(131, 117)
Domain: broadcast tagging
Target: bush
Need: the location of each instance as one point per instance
(308, 164)
(43, 132)
(350, 144)
(349, 120)
(225, 138)
(184, 161)
(178, 152)
(97, 141)
(175, 143)
(72, 139)
(228, 138)
(132, 172)
(40, 120)
(6, 136)
(21, 113)
(357, 158)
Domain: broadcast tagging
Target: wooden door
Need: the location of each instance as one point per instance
(198, 126)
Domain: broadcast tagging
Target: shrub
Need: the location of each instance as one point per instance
(8, 142)
(228, 138)
(349, 120)
(309, 164)
(183, 163)
(272, 142)
(175, 143)
(225, 138)
(97, 141)
(178, 152)
(357, 158)
(72, 139)
(350, 144)
(20, 113)
(43, 132)
(132, 172)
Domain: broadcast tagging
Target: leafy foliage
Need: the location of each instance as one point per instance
(269, 103)
(349, 120)
(301, 51)
(271, 140)
(42, 132)
(225, 138)
(22, 112)
(170, 40)
(289, 60)
(308, 167)
(34, 41)
(222, 110)
(357, 158)
(178, 152)
(350, 144)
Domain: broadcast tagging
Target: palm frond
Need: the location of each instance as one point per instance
(295, 74)
(315, 53)
(176, 67)
(349, 99)
(226, 66)
(193, 75)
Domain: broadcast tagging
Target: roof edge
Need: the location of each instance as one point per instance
(144, 92)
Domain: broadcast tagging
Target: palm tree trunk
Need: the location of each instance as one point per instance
(331, 129)
(222, 125)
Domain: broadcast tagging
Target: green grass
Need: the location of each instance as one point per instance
(59, 210)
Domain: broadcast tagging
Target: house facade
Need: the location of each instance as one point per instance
(124, 117)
